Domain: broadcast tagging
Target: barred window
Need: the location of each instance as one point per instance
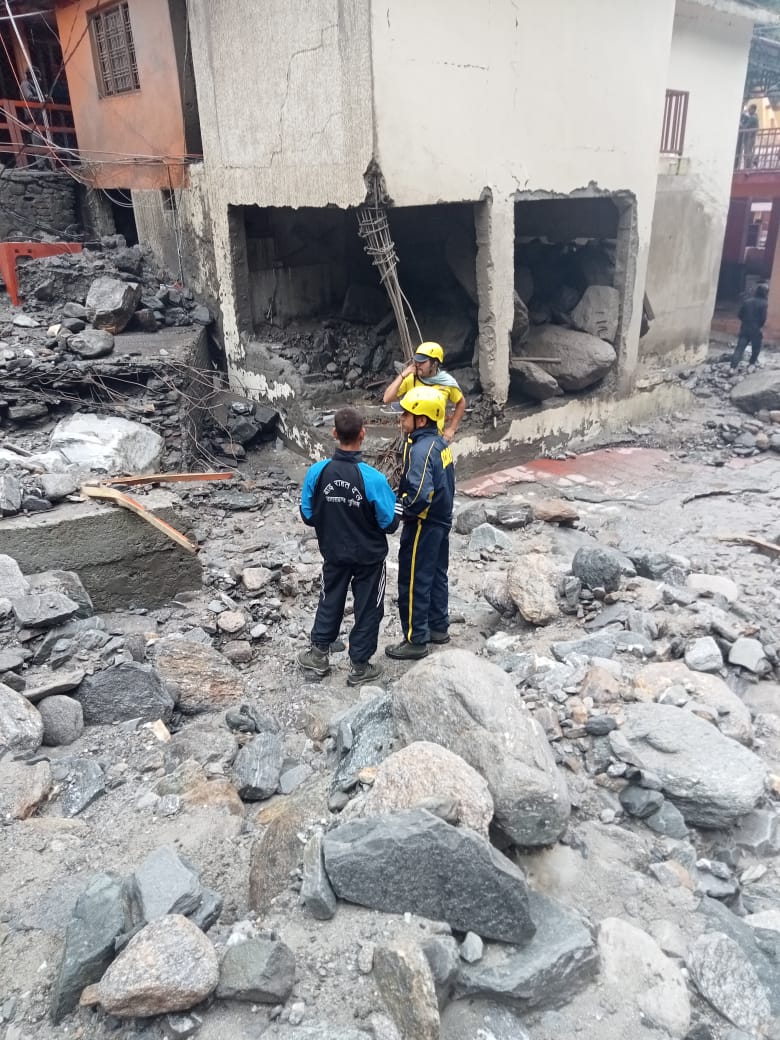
(113, 50)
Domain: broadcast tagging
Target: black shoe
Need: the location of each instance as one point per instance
(440, 637)
(363, 673)
(405, 651)
(314, 660)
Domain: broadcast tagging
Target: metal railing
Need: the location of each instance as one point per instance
(675, 118)
(29, 130)
(758, 150)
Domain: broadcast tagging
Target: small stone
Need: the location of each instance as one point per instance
(86, 782)
(231, 621)
(555, 511)
(316, 891)
(600, 725)
(472, 948)
(63, 720)
(749, 653)
(257, 970)
(640, 802)
(668, 820)
(256, 578)
(703, 655)
(489, 538)
(404, 979)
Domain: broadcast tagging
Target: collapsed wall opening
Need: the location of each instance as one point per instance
(570, 290)
(306, 288)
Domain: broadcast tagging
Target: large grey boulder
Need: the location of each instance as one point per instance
(163, 884)
(204, 678)
(711, 779)
(598, 566)
(258, 766)
(533, 380)
(531, 585)
(582, 359)
(597, 312)
(97, 920)
(548, 970)
(758, 392)
(21, 726)
(111, 303)
(726, 979)
(365, 738)
(168, 966)
(259, 970)
(92, 343)
(413, 861)
(124, 691)
(471, 706)
(68, 583)
(108, 443)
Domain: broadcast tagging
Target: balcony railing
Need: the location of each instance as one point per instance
(30, 130)
(758, 151)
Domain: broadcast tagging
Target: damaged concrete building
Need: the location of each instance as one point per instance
(517, 152)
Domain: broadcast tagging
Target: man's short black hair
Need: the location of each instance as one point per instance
(761, 291)
(348, 422)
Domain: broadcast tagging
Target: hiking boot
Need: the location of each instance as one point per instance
(362, 672)
(314, 660)
(405, 651)
(440, 637)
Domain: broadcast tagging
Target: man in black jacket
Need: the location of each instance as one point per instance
(752, 315)
(352, 507)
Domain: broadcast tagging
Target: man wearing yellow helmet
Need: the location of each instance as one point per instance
(425, 497)
(424, 370)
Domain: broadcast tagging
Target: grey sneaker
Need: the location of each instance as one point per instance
(363, 673)
(314, 660)
(405, 651)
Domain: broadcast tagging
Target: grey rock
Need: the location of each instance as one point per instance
(86, 782)
(208, 910)
(656, 565)
(762, 952)
(480, 1020)
(12, 581)
(443, 955)
(257, 970)
(600, 725)
(63, 720)
(21, 726)
(67, 583)
(471, 707)
(640, 802)
(11, 659)
(258, 766)
(292, 778)
(470, 517)
(52, 684)
(713, 585)
(598, 567)
(513, 515)
(472, 948)
(108, 442)
(316, 890)
(548, 970)
(634, 643)
(403, 977)
(318, 1031)
(489, 538)
(110, 303)
(602, 645)
(163, 884)
(10, 495)
(758, 392)
(92, 343)
(179, 1027)
(204, 678)
(703, 655)
(727, 981)
(597, 312)
(75, 310)
(759, 833)
(44, 610)
(98, 919)
(201, 315)
(711, 779)
(749, 653)
(584, 359)
(125, 691)
(668, 821)
(57, 486)
(533, 380)
(531, 585)
(409, 861)
(372, 738)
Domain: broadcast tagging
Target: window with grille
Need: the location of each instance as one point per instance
(113, 50)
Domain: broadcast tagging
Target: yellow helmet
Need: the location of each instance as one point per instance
(425, 400)
(429, 350)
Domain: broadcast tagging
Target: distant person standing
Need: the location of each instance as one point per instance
(425, 370)
(752, 316)
(748, 129)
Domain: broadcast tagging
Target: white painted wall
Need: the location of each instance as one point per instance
(708, 59)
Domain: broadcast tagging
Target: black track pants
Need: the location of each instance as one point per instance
(368, 591)
(423, 559)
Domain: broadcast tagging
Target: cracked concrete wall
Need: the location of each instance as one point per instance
(708, 59)
(459, 110)
(291, 126)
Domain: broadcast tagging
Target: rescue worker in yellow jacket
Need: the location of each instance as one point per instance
(425, 370)
(425, 499)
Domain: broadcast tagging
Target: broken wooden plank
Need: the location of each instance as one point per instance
(121, 499)
(170, 478)
(749, 539)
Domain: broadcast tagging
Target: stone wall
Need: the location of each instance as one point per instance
(37, 202)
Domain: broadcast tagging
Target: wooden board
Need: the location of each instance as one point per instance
(121, 499)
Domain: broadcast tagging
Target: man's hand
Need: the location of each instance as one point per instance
(408, 371)
(449, 434)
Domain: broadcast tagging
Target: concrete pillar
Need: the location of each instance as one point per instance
(772, 329)
(494, 222)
